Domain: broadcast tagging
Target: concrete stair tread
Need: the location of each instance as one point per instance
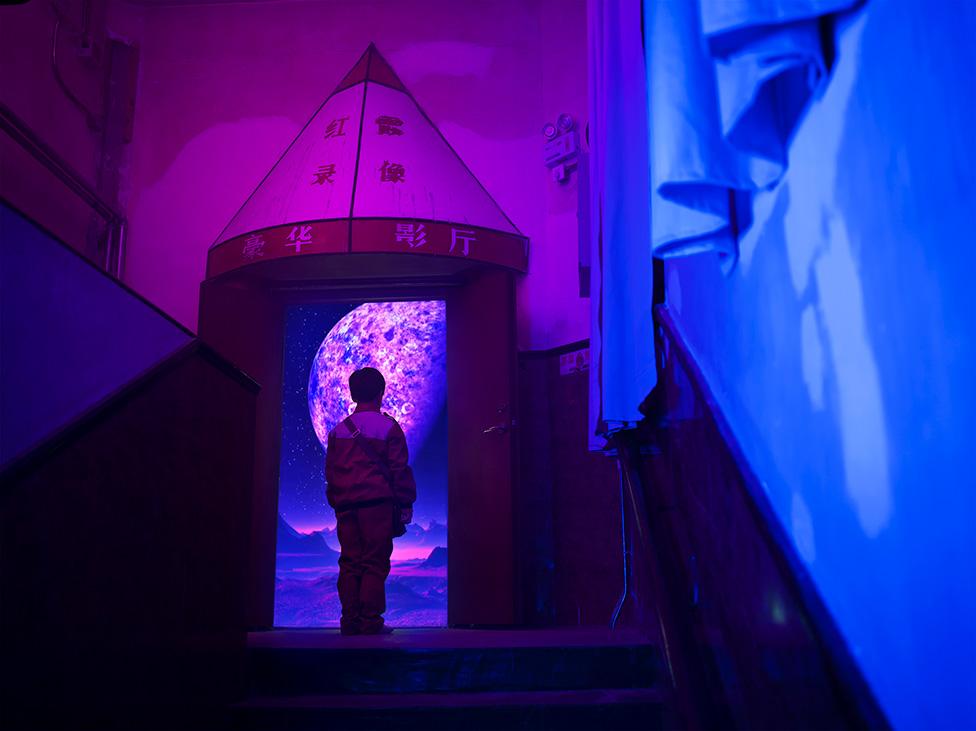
(452, 661)
(560, 710)
(439, 679)
(371, 701)
(441, 638)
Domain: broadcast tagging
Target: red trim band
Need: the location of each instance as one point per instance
(360, 235)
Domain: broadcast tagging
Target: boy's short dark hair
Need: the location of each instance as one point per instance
(366, 384)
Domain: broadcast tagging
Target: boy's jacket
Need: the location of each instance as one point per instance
(353, 479)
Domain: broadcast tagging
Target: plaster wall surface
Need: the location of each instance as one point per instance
(842, 350)
(224, 88)
(28, 88)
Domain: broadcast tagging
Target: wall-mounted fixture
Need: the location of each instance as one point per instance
(562, 147)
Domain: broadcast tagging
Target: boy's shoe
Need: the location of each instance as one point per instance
(381, 630)
(350, 628)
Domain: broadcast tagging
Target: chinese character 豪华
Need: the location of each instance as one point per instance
(253, 247)
(300, 236)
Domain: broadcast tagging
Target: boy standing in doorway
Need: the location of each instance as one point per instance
(371, 488)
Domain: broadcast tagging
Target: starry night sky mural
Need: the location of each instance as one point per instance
(301, 492)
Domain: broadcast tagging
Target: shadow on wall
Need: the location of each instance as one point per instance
(752, 645)
(841, 349)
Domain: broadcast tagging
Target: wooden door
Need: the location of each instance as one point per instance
(481, 367)
(243, 322)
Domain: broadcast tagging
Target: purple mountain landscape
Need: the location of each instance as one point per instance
(436, 559)
(307, 568)
(434, 535)
(329, 536)
(417, 536)
(291, 541)
(303, 552)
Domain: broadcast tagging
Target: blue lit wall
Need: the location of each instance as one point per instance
(843, 350)
(70, 336)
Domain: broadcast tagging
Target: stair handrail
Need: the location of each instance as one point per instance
(22, 463)
(18, 130)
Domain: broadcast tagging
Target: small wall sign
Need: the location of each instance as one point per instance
(575, 362)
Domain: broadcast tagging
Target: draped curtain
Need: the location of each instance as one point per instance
(728, 82)
(692, 107)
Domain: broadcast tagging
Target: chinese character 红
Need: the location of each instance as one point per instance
(463, 237)
(299, 237)
(253, 247)
(324, 174)
(335, 128)
(412, 234)
(388, 125)
(392, 172)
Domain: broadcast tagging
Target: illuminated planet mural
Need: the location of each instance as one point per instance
(406, 342)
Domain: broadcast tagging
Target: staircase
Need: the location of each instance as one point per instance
(586, 678)
(125, 494)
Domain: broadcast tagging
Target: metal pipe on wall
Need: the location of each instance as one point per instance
(94, 121)
(624, 546)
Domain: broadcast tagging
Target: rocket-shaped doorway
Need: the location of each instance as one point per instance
(370, 207)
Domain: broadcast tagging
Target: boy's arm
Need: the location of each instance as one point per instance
(404, 486)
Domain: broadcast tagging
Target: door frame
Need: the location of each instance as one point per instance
(259, 350)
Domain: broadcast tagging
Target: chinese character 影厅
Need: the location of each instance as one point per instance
(413, 235)
(463, 237)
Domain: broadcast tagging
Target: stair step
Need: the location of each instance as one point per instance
(451, 661)
(623, 709)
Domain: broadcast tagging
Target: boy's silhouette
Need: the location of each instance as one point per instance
(370, 486)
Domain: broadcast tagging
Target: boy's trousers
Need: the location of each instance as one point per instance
(366, 539)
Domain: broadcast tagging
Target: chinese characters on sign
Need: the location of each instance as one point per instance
(463, 237)
(300, 236)
(335, 128)
(392, 172)
(253, 247)
(324, 174)
(388, 125)
(412, 234)
(576, 362)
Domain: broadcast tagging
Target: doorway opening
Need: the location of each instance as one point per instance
(323, 344)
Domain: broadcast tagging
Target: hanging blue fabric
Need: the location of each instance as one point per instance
(728, 83)
(622, 370)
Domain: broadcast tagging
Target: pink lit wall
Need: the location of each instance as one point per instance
(32, 92)
(225, 87)
(29, 90)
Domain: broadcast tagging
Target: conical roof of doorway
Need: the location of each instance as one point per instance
(369, 172)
